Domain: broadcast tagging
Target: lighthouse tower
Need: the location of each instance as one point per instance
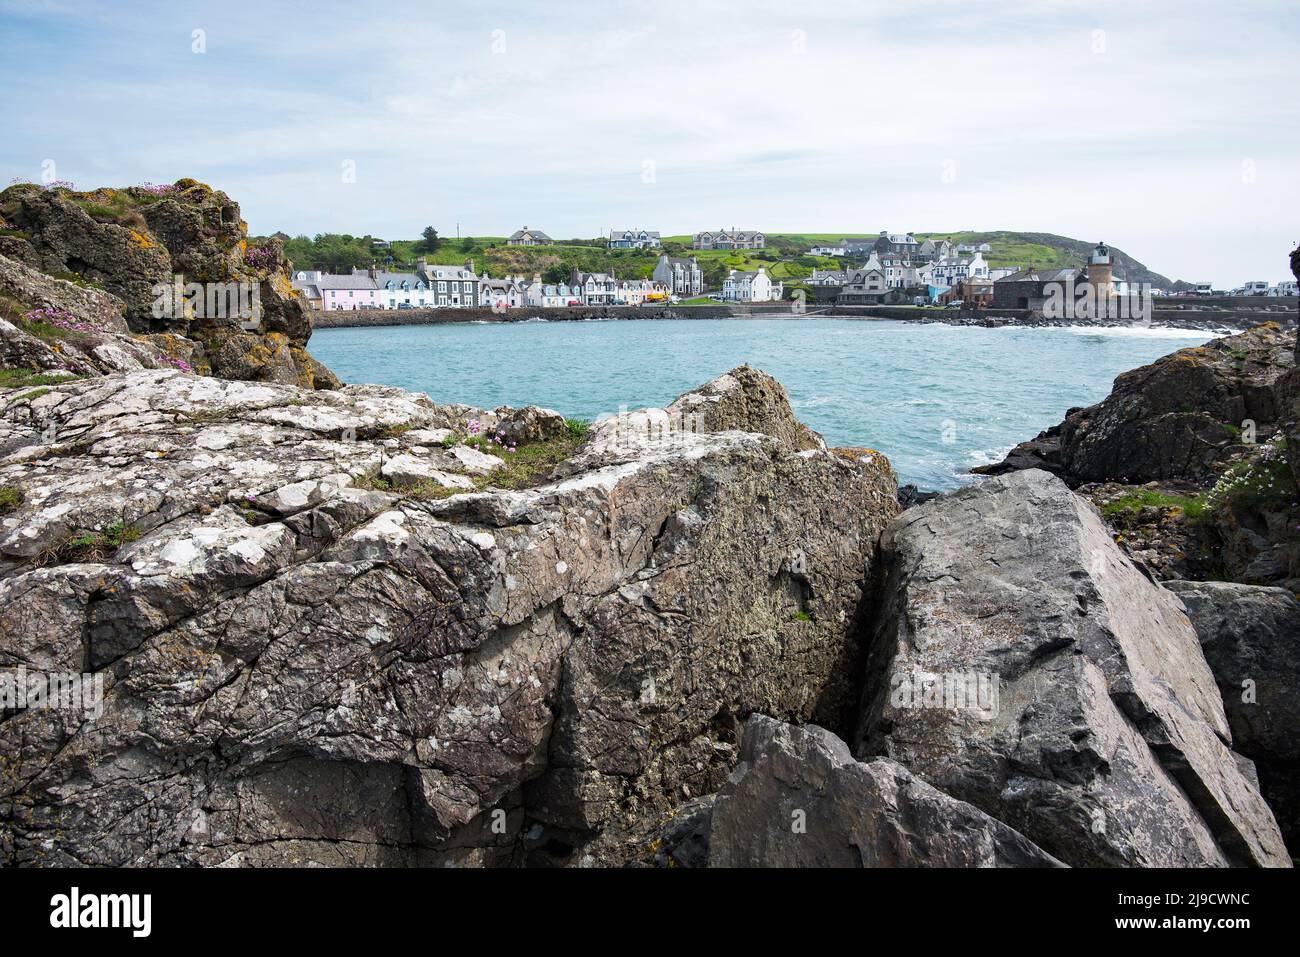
(1099, 271)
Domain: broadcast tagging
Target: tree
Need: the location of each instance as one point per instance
(557, 274)
(431, 240)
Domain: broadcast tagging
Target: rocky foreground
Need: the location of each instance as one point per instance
(356, 627)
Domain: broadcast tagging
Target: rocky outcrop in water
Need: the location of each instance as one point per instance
(307, 662)
(1024, 665)
(1181, 418)
(130, 243)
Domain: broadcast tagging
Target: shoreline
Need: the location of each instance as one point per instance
(1219, 322)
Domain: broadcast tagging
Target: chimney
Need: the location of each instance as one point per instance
(372, 272)
(469, 264)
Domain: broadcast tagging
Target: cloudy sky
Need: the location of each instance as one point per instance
(1169, 129)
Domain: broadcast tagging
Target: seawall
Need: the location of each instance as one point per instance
(1192, 314)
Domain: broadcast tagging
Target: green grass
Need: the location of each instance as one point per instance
(802, 616)
(529, 466)
(10, 499)
(91, 546)
(29, 396)
(1193, 506)
(25, 378)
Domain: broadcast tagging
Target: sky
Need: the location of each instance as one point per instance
(1168, 129)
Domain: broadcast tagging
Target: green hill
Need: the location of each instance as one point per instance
(785, 258)
(1046, 250)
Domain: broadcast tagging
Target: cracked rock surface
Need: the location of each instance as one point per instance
(305, 663)
(1107, 742)
(799, 799)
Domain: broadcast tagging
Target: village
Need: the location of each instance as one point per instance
(889, 269)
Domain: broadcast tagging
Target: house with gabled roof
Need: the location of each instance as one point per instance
(529, 237)
(682, 277)
(730, 239)
(633, 239)
(751, 286)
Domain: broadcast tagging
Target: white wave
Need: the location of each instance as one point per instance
(1146, 332)
(989, 456)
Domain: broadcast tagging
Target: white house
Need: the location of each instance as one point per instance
(507, 293)
(633, 239)
(331, 292)
(403, 290)
(551, 295)
(751, 286)
(828, 251)
(952, 269)
(595, 288)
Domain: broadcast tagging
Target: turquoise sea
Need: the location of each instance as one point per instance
(937, 399)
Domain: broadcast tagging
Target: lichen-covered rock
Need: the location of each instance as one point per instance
(528, 425)
(1022, 663)
(303, 665)
(55, 327)
(745, 395)
(799, 799)
(135, 242)
(1251, 639)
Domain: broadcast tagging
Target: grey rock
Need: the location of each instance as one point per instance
(745, 398)
(799, 799)
(1251, 639)
(528, 425)
(684, 841)
(1022, 663)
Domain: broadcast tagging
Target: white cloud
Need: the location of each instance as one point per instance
(811, 116)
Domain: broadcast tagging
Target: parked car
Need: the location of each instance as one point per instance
(955, 304)
(404, 305)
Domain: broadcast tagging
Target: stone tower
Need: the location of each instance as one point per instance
(1099, 271)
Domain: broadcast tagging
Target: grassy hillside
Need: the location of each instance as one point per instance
(1045, 250)
(785, 257)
